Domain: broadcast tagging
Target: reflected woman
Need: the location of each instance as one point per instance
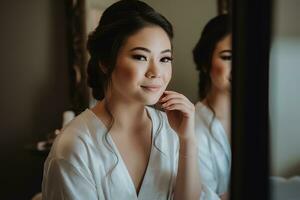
(122, 148)
(212, 55)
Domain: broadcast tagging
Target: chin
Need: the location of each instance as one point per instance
(150, 100)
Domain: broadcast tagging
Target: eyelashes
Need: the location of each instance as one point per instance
(165, 59)
(226, 58)
(139, 57)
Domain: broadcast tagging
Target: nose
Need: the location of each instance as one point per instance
(153, 70)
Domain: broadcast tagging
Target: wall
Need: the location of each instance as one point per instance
(34, 88)
(284, 87)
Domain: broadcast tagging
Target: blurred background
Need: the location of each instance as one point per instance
(34, 88)
(284, 101)
(284, 89)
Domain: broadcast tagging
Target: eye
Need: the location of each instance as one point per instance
(226, 57)
(139, 57)
(166, 59)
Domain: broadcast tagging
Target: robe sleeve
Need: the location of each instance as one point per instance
(207, 171)
(65, 181)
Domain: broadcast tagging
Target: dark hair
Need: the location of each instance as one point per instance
(214, 31)
(117, 23)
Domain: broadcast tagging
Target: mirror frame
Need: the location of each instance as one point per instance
(250, 97)
(77, 54)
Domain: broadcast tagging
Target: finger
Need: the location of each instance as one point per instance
(180, 107)
(173, 102)
(171, 96)
(177, 96)
(177, 100)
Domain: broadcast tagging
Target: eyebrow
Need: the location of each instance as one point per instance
(147, 50)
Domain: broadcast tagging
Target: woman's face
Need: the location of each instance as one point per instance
(143, 66)
(220, 72)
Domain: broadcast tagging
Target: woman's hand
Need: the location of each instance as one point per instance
(180, 112)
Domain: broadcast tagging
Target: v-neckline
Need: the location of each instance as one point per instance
(125, 169)
(122, 162)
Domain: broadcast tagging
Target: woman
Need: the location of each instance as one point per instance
(121, 148)
(212, 55)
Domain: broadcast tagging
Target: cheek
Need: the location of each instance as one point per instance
(217, 69)
(220, 69)
(167, 74)
(126, 73)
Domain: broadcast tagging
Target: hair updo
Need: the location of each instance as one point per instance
(214, 31)
(117, 23)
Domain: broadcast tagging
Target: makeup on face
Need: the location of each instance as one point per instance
(221, 64)
(144, 66)
(141, 54)
(226, 54)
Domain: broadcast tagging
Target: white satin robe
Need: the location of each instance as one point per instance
(81, 165)
(214, 153)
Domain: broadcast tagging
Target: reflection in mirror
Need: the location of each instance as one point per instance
(212, 55)
(284, 102)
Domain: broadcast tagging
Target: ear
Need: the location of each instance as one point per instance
(103, 67)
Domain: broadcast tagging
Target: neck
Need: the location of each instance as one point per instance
(125, 114)
(220, 101)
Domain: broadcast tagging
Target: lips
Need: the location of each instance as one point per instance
(151, 88)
